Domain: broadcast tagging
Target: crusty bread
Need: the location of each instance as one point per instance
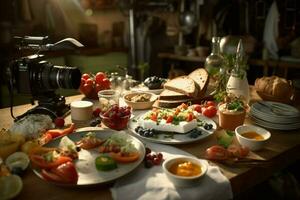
(201, 78)
(275, 86)
(184, 85)
(172, 95)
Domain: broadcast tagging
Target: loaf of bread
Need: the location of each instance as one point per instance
(184, 85)
(274, 86)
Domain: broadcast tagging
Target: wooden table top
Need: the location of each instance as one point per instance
(282, 149)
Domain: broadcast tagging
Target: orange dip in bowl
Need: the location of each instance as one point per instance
(185, 168)
(252, 135)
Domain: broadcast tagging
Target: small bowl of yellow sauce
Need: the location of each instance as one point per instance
(253, 137)
(184, 171)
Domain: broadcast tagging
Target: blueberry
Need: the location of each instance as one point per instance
(208, 126)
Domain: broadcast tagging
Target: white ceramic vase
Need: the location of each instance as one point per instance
(238, 85)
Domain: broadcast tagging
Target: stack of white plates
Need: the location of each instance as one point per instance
(275, 115)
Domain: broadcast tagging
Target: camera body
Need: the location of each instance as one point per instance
(33, 75)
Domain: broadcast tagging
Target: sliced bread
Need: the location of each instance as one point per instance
(184, 85)
(201, 78)
(172, 95)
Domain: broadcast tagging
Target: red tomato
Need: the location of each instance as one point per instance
(82, 82)
(189, 117)
(49, 176)
(197, 108)
(169, 119)
(67, 171)
(85, 76)
(153, 117)
(40, 161)
(209, 111)
(210, 103)
(89, 81)
(238, 151)
(99, 77)
(105, 83)
(86, 89)
(64, 173)
(216, 152)
(125, 158)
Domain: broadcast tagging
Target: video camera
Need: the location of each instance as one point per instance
(32, 75)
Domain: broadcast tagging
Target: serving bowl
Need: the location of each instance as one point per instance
(116, 117)
(183, 179)
(140, 100)
(251, 136)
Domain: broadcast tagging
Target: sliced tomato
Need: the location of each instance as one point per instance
(67, 172)
(216, 152)
(37, 158)
(49, 176)
(153, 117)
(169, 119)
(189, 117)
(64, 173)
(39, 161)
(125, 158)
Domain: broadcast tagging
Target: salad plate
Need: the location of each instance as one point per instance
(174, 138)
(85, 164)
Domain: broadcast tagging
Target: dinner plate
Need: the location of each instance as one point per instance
(275, 126)
(85, 164)
(178, 138)
(275, 109)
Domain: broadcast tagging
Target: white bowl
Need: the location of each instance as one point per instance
(252, 144)
(140, 105)
(184, 181)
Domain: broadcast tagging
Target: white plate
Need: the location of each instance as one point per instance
(177, 138)
(85, 164)
(275, 126)
(276, 109)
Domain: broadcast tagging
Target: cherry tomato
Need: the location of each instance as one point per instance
(82, 82)
(86, 89)
(216, 152)
(197, 108)
(209, 111)
(105, 83)
(169, 119)
(153, 117)
(210, 103)
(99, 77)
(89, 81)
(189, 117)
(85, 76)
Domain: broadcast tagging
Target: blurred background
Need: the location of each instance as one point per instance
(154, 37)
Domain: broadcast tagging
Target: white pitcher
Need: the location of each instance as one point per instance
(238, 85)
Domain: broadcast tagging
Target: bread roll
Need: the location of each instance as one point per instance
(274, 86)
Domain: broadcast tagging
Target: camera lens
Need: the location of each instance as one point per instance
(52, 77)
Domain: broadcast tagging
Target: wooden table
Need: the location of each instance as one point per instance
(283, 150)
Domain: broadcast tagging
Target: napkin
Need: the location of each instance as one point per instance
(152, 183)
